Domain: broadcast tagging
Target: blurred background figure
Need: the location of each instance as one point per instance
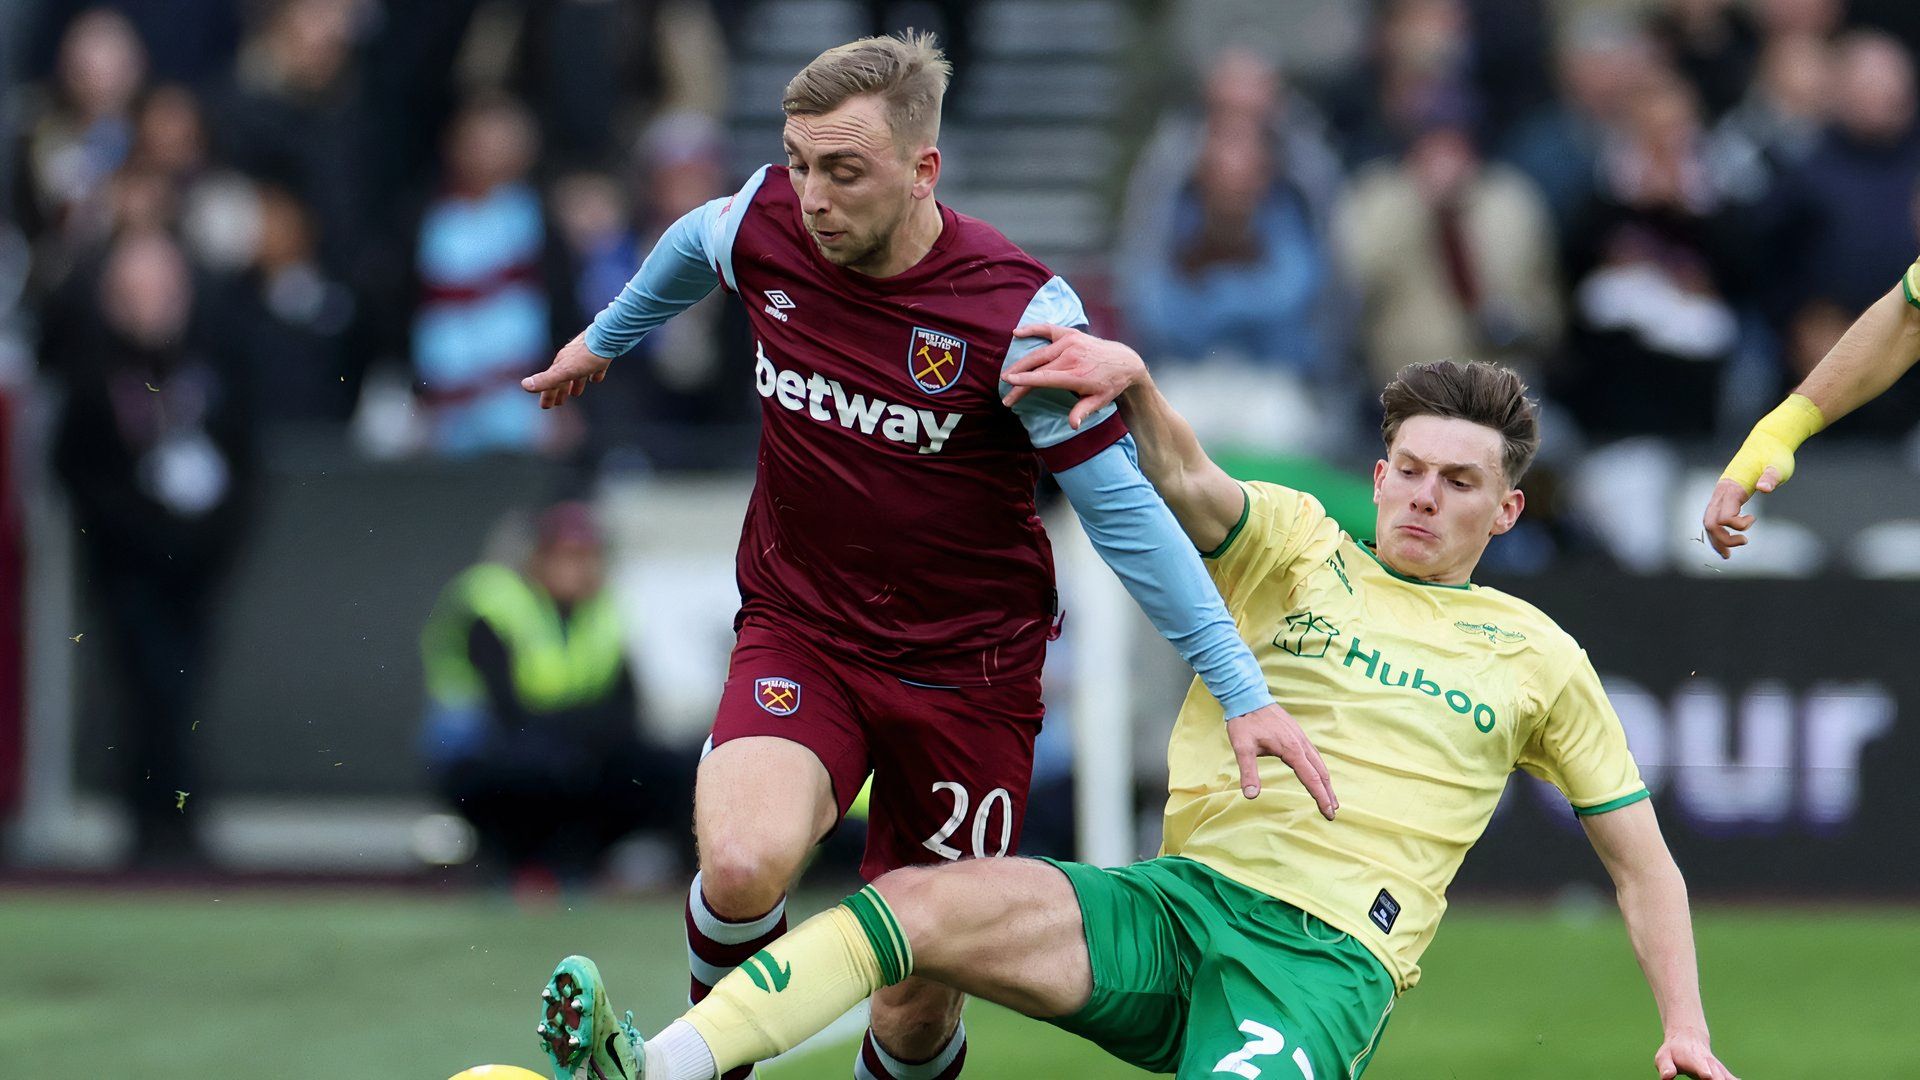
(1653, 264)
(1451, 256)
(1226, 273)
(682, 404)
(493, 303)
(1844, 211)
(533, 728)
(1713, 44)
(291, 113)
(1599, 59)
(155, 450)
(78, 132)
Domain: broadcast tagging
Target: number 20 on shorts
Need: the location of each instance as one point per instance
(982, 818)
(1262, 1041)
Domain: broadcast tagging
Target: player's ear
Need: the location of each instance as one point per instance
(1379, 474)
(1511, 504)
(926, 171)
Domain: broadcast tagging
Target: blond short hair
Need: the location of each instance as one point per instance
(909, 73)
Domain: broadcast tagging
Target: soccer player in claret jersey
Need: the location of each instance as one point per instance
(1268, 941)
(897, 588)
(1870, 357)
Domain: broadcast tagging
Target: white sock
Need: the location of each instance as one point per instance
(679, 1053)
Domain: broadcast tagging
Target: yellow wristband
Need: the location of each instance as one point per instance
(1910, 283)
(1773, 441)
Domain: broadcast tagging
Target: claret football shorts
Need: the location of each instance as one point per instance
(950, 765)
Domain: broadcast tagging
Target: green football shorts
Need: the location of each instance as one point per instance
(1197, 975)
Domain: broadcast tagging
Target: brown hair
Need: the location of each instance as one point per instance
(908, 72)
(1484, 394)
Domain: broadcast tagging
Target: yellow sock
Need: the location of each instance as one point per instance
(796, 986)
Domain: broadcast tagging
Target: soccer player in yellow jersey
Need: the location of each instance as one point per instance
(1870, 357)
(1266, 940)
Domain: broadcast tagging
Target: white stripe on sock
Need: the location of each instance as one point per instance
(927, 1070)
(722, 932)
(679, 1053)
(708, 974)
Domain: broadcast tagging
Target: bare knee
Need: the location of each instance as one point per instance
(743, 874)
(943, 915)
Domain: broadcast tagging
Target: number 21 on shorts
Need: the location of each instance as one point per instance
(1262, 1041)
(982, 818)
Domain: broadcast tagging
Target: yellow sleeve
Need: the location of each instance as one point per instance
(1274, 528)
(1580, 747)
(1910, 283)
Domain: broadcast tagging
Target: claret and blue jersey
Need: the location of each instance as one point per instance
(893, 509)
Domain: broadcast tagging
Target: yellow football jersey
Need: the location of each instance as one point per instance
(1421, 698)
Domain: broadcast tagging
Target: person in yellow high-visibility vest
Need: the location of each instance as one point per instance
(533, 728)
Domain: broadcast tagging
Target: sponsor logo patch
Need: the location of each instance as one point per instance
(1384, 911)
(781, 697)
(935, 360)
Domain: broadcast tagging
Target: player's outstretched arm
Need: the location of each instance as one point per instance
(1875, 351)
(1206, 501)
(693, 255)
(1653, 900)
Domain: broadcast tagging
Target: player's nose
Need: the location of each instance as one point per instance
(813, 196)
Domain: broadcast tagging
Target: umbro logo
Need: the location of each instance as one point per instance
(778, 304)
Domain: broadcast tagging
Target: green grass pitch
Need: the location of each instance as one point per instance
(330, 985)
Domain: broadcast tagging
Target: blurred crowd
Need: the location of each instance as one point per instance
(384, 214)
(1664, 214)
(372, 217)
(368, 213)
(226, 224)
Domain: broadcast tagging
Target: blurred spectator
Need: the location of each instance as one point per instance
(1845, 230)
(1820, 19)
(493, 299)
(295, 320)
(1226, 254)
(1780, 122)
(1512, 62)
(293, 115)
(680, 404)
(1599, 61)
(1450, 257)
(216, 207)
(1714, 44)
(155, 451)
(78, 135)
(533, 727)
(1654, 262)
(1422, 64)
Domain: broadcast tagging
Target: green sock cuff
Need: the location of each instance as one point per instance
(883, 932)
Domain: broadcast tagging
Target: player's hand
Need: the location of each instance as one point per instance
(1270, 731)
(1688, 1053)
(1726, 526)
(1095, 369)
(573, 367)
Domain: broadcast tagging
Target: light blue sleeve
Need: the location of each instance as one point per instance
(1044, 412)
(1140, 541)
(678, 273)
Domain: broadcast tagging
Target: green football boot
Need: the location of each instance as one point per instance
(579, 1031)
